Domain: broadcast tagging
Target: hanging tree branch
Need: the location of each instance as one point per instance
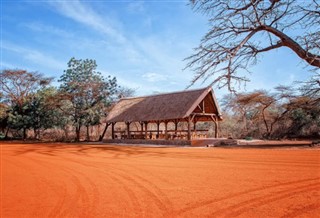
(241, 30)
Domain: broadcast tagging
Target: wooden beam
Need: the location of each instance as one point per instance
(158, 129)
(189, 128)
(204, 114)
(104, 132)
(166, 130)
(146, 130)
(128, 130)
(199, 107)
(216, 129)
(141, 125)
(175, 127)
(112, 130)
(216, 133)
(203, 108)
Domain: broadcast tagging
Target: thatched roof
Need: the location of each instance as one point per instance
(161, 107)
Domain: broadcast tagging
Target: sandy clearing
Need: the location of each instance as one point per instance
(63, 180)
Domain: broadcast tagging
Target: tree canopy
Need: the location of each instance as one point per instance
(19, 90)
(87, 92)
(240, 31)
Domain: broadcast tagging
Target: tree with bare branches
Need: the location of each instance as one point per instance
(240, 31)
(311, 87)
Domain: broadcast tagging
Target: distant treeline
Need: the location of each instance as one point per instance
(30, 107)
(284, 113)
(28, 101)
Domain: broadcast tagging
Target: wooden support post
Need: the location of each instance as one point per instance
(166, 130)
(158, 129)
(189, 128)
(203, 107)
(104, 132)
(112, 130)
(128, 130)
(175, 127)
(141, 124)
(216, 129)
(146, 130)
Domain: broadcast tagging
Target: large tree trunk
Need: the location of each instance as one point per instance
(66, 132)
(88, 134)
(78, 128)
(36, 133)
(24, 134)
(6, 134)
(265, 122)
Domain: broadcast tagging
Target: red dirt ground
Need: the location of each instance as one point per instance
(63, 180)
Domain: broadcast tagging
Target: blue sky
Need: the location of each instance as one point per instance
(142, 43)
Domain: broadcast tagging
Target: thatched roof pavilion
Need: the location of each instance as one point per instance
(188, 106)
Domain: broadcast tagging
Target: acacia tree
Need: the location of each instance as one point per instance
(311, 88)
(86, 93)
(242, 30)
(284, 112)
(18, 88)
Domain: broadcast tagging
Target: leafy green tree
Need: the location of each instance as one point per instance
(18, 88)
(44, 111)
(3, 116)
(87, 92)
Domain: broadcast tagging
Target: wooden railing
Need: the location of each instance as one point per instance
(171, 134)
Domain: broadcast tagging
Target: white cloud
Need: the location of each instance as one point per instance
(136, 7)
(85, 15)
(43, 28)
(34, 56)
(154, 77)
(6, 65)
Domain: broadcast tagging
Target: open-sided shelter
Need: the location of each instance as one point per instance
(190, 106)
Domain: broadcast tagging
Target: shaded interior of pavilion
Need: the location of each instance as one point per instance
(178, 129)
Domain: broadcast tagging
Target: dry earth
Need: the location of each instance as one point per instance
(63, 180)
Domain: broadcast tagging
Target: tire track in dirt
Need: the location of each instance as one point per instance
(134, 201)
(81, 194)
(263, 200)
(165, 199)
(162, 205)
(300, 211)
(56, 210)
(250, 191)
(86, 199)
(38, 183)
(60, 190)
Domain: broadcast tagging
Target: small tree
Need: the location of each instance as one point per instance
(240, 31)
(3, 116)
(44, 111)
(87, 92)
